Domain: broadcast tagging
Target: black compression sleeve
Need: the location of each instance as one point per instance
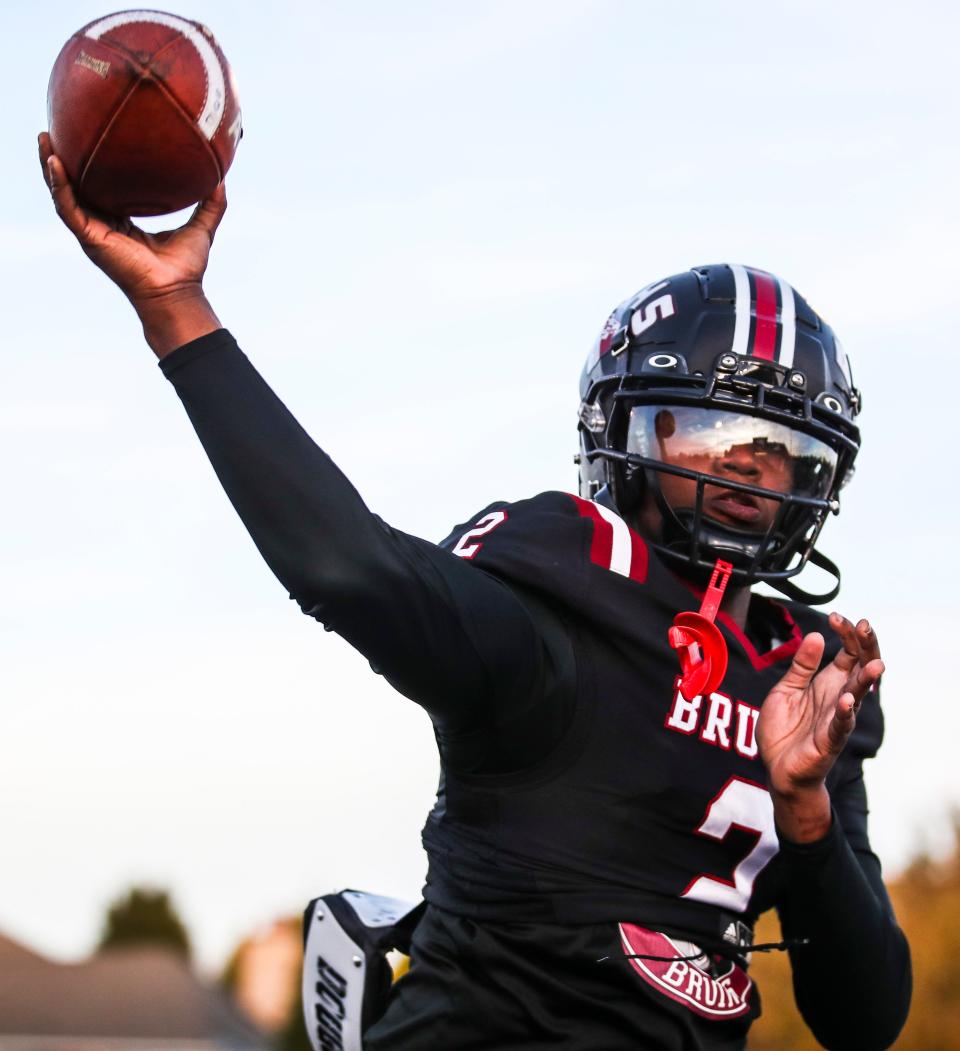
(420, 615)
(852, 982)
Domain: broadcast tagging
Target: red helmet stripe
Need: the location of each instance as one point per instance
(765, 335)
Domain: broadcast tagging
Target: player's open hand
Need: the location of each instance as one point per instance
(145, 266)
(808, 716)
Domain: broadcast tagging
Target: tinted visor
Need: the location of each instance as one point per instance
(730, 445)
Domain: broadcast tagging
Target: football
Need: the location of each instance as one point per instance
(143, 112)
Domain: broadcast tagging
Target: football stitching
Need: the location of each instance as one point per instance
(112, 115)
(194, 34)
(143, 74)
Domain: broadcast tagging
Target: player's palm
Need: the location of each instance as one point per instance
(143, 265)
(808, 716)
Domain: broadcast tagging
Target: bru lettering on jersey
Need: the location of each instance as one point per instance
(720, 720)
(714, 989)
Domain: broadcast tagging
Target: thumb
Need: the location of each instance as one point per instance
(208, 213)
(805, 663)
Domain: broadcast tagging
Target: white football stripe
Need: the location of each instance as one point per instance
(741, 328)
(621, 552)
(213, 105)
(788, 325)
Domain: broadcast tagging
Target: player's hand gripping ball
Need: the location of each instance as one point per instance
(143, 113)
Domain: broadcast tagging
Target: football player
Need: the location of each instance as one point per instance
(605, 833)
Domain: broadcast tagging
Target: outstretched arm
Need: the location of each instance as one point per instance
(447, 635)
(420, 615)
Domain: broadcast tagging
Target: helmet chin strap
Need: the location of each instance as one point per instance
(799, 595)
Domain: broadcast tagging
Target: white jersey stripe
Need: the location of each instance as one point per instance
(788, 325)
(621, 551)
(741, 329)
(212, 112)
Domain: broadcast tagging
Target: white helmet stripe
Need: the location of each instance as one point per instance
(788, 325)
(741, 328)
(213, 105)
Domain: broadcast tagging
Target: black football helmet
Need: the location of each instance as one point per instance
(722, 397)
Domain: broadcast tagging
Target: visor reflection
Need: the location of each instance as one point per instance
(734, 446)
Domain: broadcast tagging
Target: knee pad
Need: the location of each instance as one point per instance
(346, 974)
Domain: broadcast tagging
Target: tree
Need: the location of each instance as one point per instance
(144, 916)
(926, 898)
(293, 1037)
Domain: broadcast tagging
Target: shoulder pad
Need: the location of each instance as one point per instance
(553, 531)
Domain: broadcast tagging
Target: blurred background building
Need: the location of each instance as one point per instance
(144, 997)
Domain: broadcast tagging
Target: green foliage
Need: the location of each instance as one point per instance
(230, 976)
(144, 917)
(293, 1036)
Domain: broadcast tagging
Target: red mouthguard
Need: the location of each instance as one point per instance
(698, 641)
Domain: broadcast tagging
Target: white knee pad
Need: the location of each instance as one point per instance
(346, 976)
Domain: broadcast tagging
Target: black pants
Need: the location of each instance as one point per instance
(528, 986)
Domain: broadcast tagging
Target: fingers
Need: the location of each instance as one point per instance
(62, 193)
(869, 643)
(864, 677)
(45, 149)
(843, 722)
(209, 213)
(805, 663)
(849, 655)
(860, 643)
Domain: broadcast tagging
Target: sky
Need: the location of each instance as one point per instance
(433, 209)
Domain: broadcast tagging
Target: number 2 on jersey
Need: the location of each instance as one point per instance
(487, 524)
(747, 806)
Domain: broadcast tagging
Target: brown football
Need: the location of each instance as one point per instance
(143, 113)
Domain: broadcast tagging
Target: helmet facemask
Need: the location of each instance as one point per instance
(745, 351)
(729, 471)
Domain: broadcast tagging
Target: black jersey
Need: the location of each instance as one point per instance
(652, 808)
(585, 810)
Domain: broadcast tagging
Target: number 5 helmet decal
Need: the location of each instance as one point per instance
(720, 405)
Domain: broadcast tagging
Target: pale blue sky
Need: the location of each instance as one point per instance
(434, 207)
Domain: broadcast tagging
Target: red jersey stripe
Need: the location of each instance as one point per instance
(639, 558)
(608, 543)
(601, 546)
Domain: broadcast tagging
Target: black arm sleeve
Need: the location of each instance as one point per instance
(450, 637)
(852, 982)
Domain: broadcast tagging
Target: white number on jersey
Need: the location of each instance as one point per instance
(744, 805)
(487, 524)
